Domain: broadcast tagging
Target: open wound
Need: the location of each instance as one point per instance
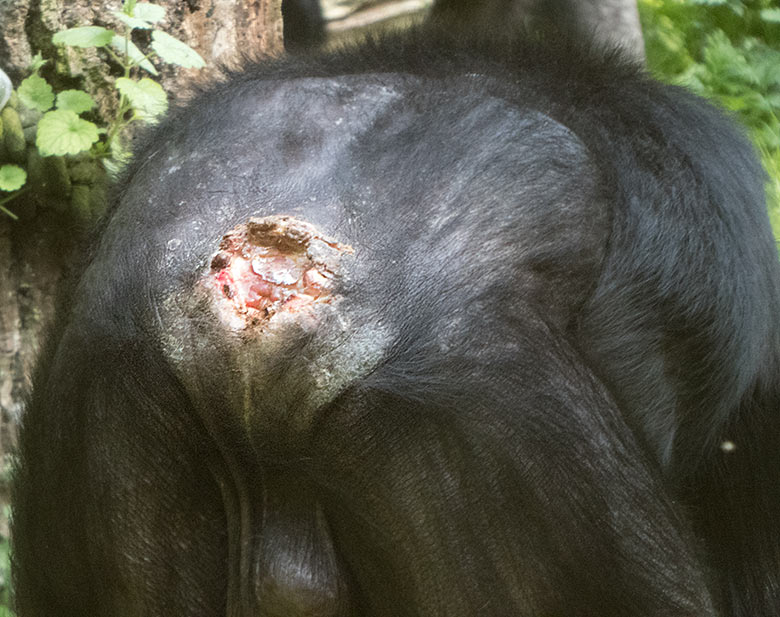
(273, 264)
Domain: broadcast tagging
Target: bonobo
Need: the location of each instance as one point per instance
(304, 25)
(431, 327)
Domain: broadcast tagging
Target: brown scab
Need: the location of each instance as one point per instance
(283, 233)
(220, 260)
(273, 264)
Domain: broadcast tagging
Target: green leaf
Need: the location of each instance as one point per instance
(771, 15)
(123, 46)
(149, 12)
(36, 63)
(35, 93)
(131, 22)
(174, 51)
(735, 5)
(146, 96)
(86, 36)
(63, 132)
(12, 177)
(128, 6)
(76, 101)
(119, 158)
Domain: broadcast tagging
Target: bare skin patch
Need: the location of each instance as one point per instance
(271, 265)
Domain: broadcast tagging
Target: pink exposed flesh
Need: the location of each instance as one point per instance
(268, 265)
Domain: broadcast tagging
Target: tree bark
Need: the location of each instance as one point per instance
(35, 251)
(615, 21)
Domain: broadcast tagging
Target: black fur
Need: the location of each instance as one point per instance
(562, 303)
(503, 18)
(303, 23)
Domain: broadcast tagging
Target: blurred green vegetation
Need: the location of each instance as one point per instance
(5, 569)
(728, 51)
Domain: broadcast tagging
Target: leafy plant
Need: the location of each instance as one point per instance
(62, 130)
(12, 178)
(729, 51)
(5, 568)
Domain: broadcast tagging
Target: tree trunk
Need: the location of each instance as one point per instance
(36, 250)
(614, 21)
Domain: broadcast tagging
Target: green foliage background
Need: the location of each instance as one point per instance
(83, 151)
(728, 51)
